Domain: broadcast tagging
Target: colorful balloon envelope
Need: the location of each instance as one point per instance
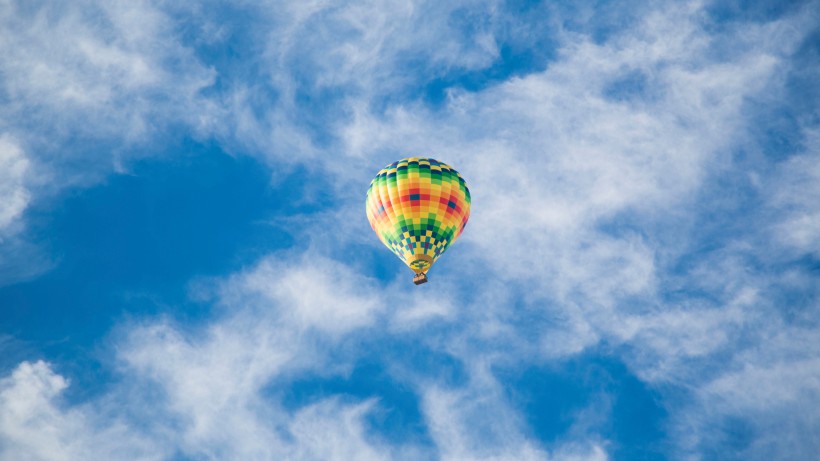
(418, 207)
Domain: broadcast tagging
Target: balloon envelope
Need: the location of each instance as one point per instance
(418, 207)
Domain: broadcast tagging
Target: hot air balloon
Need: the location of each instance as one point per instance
(418, 207)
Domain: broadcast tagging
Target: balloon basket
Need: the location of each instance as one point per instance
(420, 278)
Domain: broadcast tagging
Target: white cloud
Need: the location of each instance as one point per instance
(19, 258)
(14, 195)
(35, 425)
(318, 292)
(363, 44)
(203, 392)
(112, 74)
(462, 431)
(549, 155)
(332, 431)
(584, 196)
(214, 380)
(475, 422)
(796, 191)
(768, 395)
(554, 160)
(216, 391)
(421, 309)
(86, 87)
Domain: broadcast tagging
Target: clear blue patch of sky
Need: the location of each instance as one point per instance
(729, 438)
(625, 411)
(724, 12)
(130, 246)
(633, 86)
(378, 262)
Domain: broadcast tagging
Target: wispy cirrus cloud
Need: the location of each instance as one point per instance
(113, 72)
(795, 193)
(34, 425)
(86, 87)
(596, 174)
(215, 380)
(14, 193)
(603, 224)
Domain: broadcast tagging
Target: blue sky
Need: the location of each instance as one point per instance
(187, 272)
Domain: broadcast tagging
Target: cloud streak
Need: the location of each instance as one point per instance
(608, 183)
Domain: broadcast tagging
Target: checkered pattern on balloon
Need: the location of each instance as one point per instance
(418, 207)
